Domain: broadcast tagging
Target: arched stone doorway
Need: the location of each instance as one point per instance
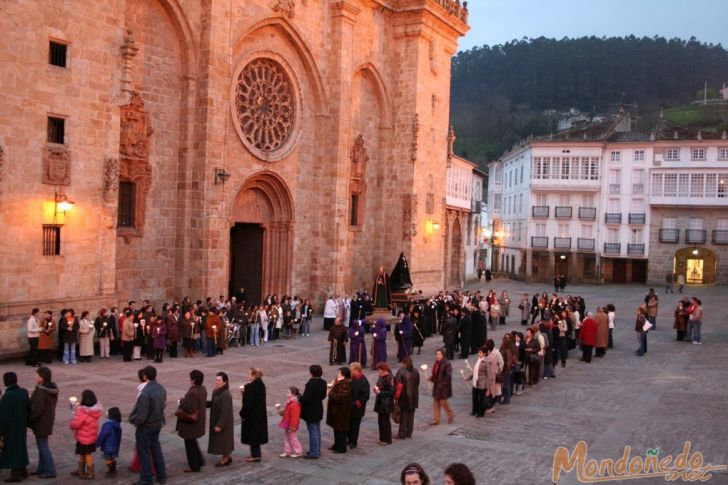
(698, 265)
(261, 237)
(456, 253)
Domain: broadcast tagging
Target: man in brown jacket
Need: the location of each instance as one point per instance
(441, 379)
(194, 402)
(41, 418)
(602, 332)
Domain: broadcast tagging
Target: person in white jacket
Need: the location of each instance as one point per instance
(33, 326)
(329, 313)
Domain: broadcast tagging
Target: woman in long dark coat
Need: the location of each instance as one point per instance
(384, 403)
(13, 421)
(253, 414)
(195, 401)
(222, 440)
(338, 409)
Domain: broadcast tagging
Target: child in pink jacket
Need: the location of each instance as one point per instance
(85, 423)
(289, 423)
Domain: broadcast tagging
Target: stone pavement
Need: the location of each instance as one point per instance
(676, 392)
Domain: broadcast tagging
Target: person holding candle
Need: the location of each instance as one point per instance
(254, 416)
(214, 322)
(85, 338)
(159, 339)
(128, 333)
(85, 424)
(139, 333)
(441, 379)
(70, 337)
(384, 403)
(105, 332)
(290, 422)
(338, 409)
(189, 332)
(222, 441)
(45, 339)
(193, 403)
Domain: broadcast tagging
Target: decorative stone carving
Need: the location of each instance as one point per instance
(415, 136)
(133, 163)
(359, 158)
(409, 216)
(450, 144)
(265, 105)
(56, 165)
(286, 8)
(111, 178)
(128, 52)
(135, 132)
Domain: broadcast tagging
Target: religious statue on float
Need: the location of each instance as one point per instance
(381, 293)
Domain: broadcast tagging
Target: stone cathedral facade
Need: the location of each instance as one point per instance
(286, 146)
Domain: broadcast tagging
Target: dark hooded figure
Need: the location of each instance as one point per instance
(357, 345)
(404, 331)
(379, 332)
(479, 333)
(465, 329)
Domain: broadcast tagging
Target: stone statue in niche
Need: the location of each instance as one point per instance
(359, 157)
(111, 178)
(56, 166)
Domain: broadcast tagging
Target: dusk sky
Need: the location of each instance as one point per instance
(499, 21)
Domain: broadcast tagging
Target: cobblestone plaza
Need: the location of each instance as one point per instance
(675, 393)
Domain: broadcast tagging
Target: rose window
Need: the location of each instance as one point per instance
(265, 104)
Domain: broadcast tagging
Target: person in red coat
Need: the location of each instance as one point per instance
(588, 336)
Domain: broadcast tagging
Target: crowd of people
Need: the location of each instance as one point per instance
(347, 397)
(208, 327)
(552, 326)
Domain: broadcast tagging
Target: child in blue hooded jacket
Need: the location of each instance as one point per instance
(109, 440)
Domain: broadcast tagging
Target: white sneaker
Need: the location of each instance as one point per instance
(284, 455)
(695, 343)
(699, 343)
(296, 456)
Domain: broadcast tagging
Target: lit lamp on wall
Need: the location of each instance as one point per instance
(63, 204)
(431, 226)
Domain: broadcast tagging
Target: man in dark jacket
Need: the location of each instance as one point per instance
(312, 410)
(195, 401)
(13, 421)
(359, 398)
(148, 418)
(407, 395)
(41, 418)
(450, 334)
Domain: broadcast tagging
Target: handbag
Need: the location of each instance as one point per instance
(499, 377)
(183, 415)
(284, 424)
(533, 357)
